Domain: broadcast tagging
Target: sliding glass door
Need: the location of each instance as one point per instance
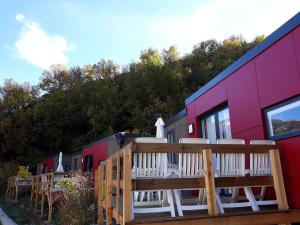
(216, 126)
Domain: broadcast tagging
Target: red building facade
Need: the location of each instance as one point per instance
(252, 95)
(93, 155)
(47, 165)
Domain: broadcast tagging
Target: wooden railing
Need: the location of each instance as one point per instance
(115, 178)
(14, 184)
(115, 182)
(35, 191)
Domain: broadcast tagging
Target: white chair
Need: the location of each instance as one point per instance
(190, 165)
(260, 165)
(233, 164)
(151, 165)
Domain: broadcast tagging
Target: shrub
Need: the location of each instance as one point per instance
(77, 204)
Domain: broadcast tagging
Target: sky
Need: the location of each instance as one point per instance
(36, 34)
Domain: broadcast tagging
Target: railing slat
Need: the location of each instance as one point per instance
(127, 185)
(109, 187)
(100, 195)
(118, 191)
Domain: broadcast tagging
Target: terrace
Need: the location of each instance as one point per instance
(117, 182)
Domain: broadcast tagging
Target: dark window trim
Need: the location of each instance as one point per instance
(173, 133)
(86, 162)
(279, 105)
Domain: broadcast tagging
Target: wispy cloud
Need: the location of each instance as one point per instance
(219, 19)
(38, 47)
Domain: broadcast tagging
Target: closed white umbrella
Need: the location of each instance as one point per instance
(60, 166)
(160, 128)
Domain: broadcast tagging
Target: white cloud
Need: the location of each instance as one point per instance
(38, 47)
(219, 19)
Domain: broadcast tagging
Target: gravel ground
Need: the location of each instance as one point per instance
(19, 211)
(5, 219)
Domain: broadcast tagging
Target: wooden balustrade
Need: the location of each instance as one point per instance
(115, 184)
(35, 191)
(14, 184)
(115, 179)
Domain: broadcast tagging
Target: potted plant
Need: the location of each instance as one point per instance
(24, 176)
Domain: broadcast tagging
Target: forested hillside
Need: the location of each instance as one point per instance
(70, 107)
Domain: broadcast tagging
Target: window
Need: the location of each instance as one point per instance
(171, 136)
(171, 140)
(283, 120)
(216, 125)
(75, 164)
(89, 162)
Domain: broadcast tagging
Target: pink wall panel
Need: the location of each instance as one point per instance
(256, 133)
(48, 165)
(243, 99)
(191, 118)
(277, 72)
(100, 152)
(211, 98)
(296, 40)
(290, 158)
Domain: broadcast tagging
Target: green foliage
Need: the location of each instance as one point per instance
(73, 106)
(77, 207)
(23, 173)
(7, 169)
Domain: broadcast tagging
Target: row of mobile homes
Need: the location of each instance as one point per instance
(89, 156)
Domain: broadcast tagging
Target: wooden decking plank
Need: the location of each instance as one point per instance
(261, 218)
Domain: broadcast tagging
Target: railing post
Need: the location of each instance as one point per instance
(127, 184)
(109, 188)
(118, 190)
(17, 188)
(278, 180)
(96, 186)
(209, 183)
(100, 194)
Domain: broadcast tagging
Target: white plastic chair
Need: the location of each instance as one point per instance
(233, 164)
(151, 165)
(190, 165)
(260, 164)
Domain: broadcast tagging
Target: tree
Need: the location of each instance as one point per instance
(171, 55)
(16, 97)
(78, 105)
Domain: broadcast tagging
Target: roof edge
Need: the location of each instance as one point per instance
(176, 117)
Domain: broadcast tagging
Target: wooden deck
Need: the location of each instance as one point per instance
(115, 186)
(247, 218)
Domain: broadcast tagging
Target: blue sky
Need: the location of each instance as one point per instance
(36, 34)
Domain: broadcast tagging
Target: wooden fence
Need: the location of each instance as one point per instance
(115, 184)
